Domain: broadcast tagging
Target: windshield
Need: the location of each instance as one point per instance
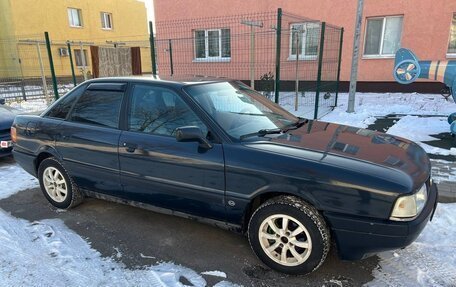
(239, 110)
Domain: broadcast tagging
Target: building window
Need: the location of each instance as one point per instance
(304, 39)
(80, 58)
(452, 42)
(383, 36)
(214, 44)
(347, 148)
(75, 17)
(106, 21)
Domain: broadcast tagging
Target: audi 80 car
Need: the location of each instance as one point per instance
(217, 151)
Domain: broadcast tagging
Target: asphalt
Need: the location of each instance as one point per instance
(135, 231)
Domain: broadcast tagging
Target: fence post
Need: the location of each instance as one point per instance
(338, 65)
(152, 48)
(51, 65)
(297, 33)
(320, 64)
(73, 75)
(43, 76)
(278, 46)
(170, 50)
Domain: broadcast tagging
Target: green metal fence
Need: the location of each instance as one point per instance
(291, 59)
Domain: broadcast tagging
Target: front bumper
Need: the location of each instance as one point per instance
(360, 238)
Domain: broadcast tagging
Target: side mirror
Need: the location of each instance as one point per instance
(192, 134)
(2, 101)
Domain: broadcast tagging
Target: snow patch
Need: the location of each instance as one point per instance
(29, 106)
(146, 256)
(47, 253)
(215, 273)
(14, 179)
(419, 129)
(118, 253)
(429, 261)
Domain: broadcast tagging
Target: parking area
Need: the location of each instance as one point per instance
(139, 238)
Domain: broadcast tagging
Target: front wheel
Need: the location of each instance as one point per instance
(57, 186)
(289, 235)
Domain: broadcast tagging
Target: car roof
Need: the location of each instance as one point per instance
(176, 81)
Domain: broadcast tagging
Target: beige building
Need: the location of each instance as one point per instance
(90, 22)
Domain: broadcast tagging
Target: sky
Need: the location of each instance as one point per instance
(150, 9)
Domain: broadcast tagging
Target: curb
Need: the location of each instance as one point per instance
(447, 192)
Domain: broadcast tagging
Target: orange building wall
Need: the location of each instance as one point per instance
(425, 29)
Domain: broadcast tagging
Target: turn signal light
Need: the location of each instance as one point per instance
(13, 134)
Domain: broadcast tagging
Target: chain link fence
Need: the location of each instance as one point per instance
(291, 59)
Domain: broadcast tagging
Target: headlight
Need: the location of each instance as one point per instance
(408, 207)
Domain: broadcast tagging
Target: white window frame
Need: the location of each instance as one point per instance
(450, 55)
(206, 47)
(381, 56)
(104, 16)
(70, 17)
(85, 55)
(302, 53)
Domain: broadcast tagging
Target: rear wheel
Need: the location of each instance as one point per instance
(57, 186)
(289, 235)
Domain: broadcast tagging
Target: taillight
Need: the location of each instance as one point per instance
(13, 134)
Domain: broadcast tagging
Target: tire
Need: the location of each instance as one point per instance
(54, 180)
(310, 245)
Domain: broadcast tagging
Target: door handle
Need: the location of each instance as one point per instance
(129, 147)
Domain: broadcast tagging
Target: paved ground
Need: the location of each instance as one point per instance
(445, 172)
(134, 231)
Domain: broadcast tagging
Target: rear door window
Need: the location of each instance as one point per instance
(62, 106)
(98, 107)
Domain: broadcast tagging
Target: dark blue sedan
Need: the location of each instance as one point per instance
(216, 151)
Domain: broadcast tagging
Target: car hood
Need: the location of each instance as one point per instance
(6, 118)
(383, 150)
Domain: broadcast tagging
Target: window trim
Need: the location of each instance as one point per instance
(302, 56)
(85, 58)
(208, 59)
(380, 55)
(79, 10)
(103, 21)
(450, 55)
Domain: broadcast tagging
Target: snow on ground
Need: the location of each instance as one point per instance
(29, 106)
(419, 129)
(429, 261)
(47, 253)
(13, 179)
(215, 273)
(371, 105)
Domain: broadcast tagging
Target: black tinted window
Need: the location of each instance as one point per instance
(160, 111)
(64, 104)
(98, 108)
